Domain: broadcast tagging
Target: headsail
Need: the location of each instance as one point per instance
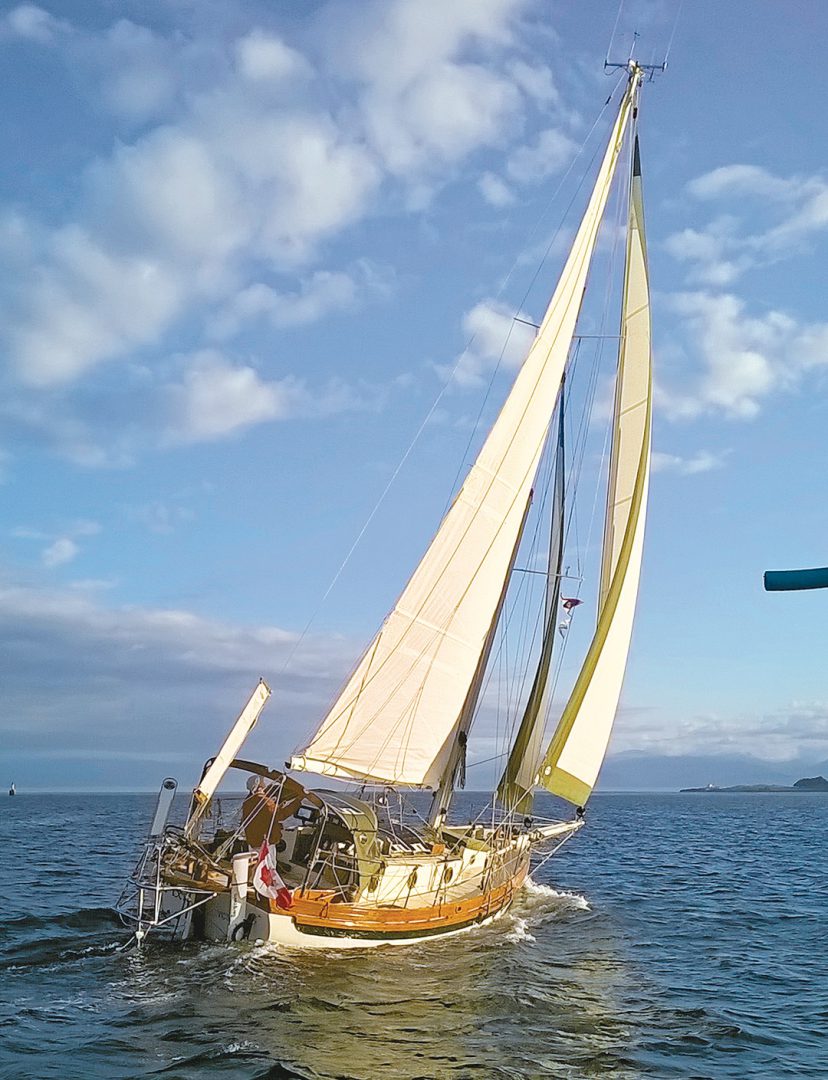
(515, 788)
(397, 718)
(577, 750)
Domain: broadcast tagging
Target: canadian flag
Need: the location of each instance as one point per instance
(266, 879)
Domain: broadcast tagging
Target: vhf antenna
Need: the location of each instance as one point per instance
(651, 70)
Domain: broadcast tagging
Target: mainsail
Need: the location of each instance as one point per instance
(398, 717)
(577, 749)
(515, 788)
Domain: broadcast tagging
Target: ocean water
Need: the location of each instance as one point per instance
(675, 936)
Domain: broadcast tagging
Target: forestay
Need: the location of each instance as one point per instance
(574, 758)
(396, 719)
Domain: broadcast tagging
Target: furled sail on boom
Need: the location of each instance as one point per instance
(576, 752)
(397, 718)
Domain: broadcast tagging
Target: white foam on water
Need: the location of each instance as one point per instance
(536, 893)
(519, 932)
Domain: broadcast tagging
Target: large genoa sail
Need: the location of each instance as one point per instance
(576, 752)
(398, 717)
(515, 788)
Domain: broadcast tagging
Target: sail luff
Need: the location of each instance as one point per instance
(392, 720)
(576, 752)
(515, 788)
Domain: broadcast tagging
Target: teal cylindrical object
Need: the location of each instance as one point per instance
(795, 580)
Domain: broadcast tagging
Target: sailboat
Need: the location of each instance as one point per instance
(12, 789)
(346, 866)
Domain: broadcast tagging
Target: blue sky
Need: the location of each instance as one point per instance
(241, 245)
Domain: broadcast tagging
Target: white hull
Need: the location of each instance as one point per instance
(269, 929)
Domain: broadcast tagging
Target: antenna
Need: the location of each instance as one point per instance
(632, 65)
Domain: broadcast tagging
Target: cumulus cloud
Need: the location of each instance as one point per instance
(62, 551)
(494, 190)
(316, 295)
(424, 102)
(790, 210)
(551, 151)
(217, 398)
(744, 357)
(28, 22)
(701, 462)
(61, 548)
(494, 338)
(264, 57)
(174, 218)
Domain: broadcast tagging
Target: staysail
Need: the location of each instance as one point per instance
(576, 752)
(397, 718)
(515, 788)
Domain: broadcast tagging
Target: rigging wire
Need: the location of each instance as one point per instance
(612, 35)
(673, 34)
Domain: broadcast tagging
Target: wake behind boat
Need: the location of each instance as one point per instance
(292, 864)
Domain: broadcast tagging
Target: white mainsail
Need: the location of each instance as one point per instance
(396, 719)
(576, 752)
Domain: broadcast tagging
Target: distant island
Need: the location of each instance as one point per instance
(807, 783)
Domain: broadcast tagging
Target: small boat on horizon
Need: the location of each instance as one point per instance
(362, 866)
(12, 789)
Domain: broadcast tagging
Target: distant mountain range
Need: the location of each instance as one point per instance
(633, 771)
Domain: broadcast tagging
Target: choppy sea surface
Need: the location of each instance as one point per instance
(675, 936)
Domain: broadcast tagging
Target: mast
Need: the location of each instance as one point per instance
(576, 752)
(515, 788)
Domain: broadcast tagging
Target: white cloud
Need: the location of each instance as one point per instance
(159, 517)
(701, 462)
(317, 295)
(775, 216)
(799, 730)
(217, 398)
(494, 337)
(495, 191)
(741, 180)
(31, 23)
(263, 57)
(745, 357)
(551, 151)
(424, 102)
(62, 551)
(237, 159)
(536, 81)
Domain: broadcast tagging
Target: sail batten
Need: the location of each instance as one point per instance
(576, 752)
(394, 718)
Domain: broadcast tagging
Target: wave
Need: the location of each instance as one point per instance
(82, 920)
(536, 893)
(40, 940)
(519, 931)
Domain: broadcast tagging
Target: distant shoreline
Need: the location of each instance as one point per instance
(807, 784)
